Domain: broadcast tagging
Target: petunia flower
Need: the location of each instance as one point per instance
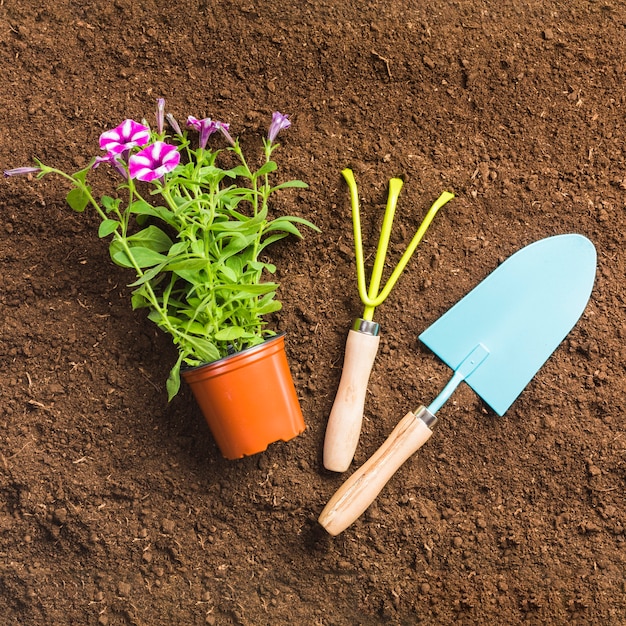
(224, 128)
(153, 162)
(112, 160)
(279, 122)
(171, 120)
(206, 127)
(21, 171)
(126, 136)
(160, 115)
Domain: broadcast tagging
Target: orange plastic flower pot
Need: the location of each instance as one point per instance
(248, 399)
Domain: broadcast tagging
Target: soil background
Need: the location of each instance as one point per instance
(117, 508)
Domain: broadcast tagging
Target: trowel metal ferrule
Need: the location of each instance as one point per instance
(367, 327)
(427, 417)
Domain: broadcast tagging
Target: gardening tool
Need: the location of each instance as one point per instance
(495, 339)
(346, 416)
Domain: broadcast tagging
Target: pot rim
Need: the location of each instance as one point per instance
(185, 369)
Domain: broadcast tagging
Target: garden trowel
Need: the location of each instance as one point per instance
(495, 339)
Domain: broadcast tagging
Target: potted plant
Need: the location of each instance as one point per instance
(194, 232)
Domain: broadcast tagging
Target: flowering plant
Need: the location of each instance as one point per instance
(196, 246)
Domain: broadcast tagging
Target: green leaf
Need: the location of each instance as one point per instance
(240, 170)
(272, 239)
(178, 248)
(236, 264)
(109, 203)
(155, 316)
(227, 272)
(250, 224)
(190, 276)
(81, 175)
(299, 184)
(284, 225)
(249, 289)
(231, 197)
(143, 257)
(178, 265)
(107, 227)
(203, 349)
(153, 238)
(142, 208)
(77, 199)
(266, 168)
(291, 219)
(197, 247)
(303, 221)
(259, 266)
(148, 276)
(138, 300)
(196, 328)
(269, 307)
(173, 380)
(230, 334)
(231, 226)
(237, 244)
(209, 174)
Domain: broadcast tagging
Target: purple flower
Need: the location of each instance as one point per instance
(279, 122)
(195, 123)
(126, 136)
(112, 160)
(205, 127)
(21, 171)
(160, 115)
(223, 128)
(153, 162)
(171, 120)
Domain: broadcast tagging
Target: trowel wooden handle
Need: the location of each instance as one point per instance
(361, 489)
(346, 416)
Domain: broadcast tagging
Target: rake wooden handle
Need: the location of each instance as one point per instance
(361, 489)
(344, 424)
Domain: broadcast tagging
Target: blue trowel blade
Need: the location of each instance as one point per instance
(521, 312)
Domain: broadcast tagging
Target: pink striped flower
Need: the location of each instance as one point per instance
(153, 162)
(127, 135)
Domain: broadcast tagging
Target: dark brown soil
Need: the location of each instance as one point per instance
(117, 508)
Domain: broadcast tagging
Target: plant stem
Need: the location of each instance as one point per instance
(122, 240)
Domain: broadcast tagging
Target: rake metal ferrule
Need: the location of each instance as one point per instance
(367, 327)
(427, 417)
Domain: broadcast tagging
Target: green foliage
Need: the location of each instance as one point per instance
(195, 246)
(77, 199)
